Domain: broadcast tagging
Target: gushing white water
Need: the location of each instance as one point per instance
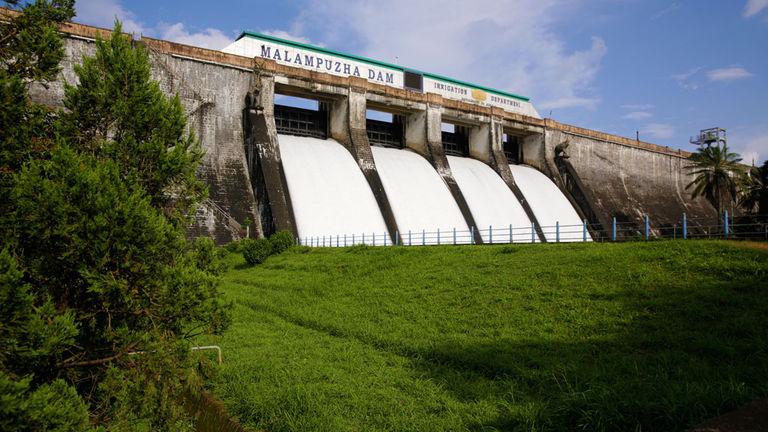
(549, 205)
(419, 197)
(491, 202)
(329, 194)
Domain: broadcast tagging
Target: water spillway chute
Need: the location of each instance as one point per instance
(420, 199)
(329, 194)
(552, 209)
(492, 204)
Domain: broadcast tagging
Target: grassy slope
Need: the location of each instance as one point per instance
(523, 337)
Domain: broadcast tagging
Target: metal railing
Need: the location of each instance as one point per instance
(301, 122)
(684, 228)
(234, 226)
(455, 143)
(384, 134)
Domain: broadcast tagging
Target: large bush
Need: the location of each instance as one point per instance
(281, 241)
(95, 263)
(256, 251)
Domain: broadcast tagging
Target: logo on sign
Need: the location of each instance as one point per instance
(479, 95)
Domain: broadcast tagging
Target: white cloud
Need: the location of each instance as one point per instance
(658, 130)
(750, 143)
(282, 34)
(728, 74)
(208, 38)
(637, 115)
(667, 10)
(569, 102)
(102, 13)
(639, 107)
(754, 7)
(506, 44)
(685, 79)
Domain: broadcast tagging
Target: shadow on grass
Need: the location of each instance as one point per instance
(688, 354)
(683, 347)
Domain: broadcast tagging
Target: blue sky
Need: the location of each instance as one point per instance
(663, 68)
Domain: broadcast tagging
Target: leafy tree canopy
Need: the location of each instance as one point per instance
(100, 291)
(716, 171)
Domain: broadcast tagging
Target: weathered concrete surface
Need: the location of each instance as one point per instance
(626, 182)
(213, 100)
(425, 138)
(266, 166)
(347, 126)
(212, 97)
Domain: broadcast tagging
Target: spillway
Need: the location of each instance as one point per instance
(549, 205)
(329, 194)
(420, 199)
(493, 205)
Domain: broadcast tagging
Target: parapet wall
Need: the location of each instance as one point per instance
(619, 176)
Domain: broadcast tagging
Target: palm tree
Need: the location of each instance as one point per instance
(716, 172)
(754, 190)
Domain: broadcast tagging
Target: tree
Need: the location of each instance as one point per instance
(30, 50)
(101, 290)
(754, 190)
(117, 112)
(715, 170)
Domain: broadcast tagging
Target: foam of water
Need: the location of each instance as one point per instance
(419, 197)
(549, 205)
(491, 201)
(329, 194)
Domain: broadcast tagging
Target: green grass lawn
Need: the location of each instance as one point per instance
(633, 336)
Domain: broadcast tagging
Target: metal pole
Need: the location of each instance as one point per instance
(647, 228)
(725, 226)
(423, 237)
(584, 230)
(490, 234)
(613, 229)
(410, 243)
(454, 236)
(438, 236)
(210, 347)
(385, 238)
(685, 226)
(557, 231)
(345, 240)
(374, 238)
(472, 235)
(533, 232)
(397, 237)
(510, 233)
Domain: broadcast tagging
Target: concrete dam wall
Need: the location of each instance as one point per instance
(256, 174)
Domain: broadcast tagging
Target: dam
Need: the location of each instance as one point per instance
(455, 161)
